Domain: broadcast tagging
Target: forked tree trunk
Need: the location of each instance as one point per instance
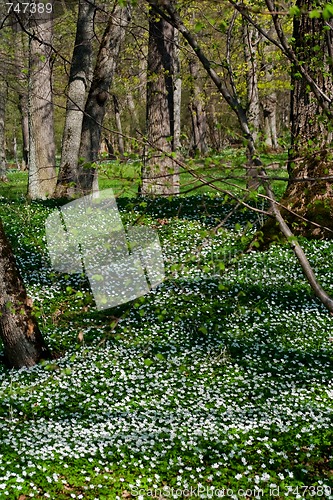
(41, 164)
(98, 97)
(159, 174)
(19, 332)
(78, 85)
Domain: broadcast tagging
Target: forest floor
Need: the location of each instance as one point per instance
(216, 384)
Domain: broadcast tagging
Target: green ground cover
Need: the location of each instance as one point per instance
(218, 384)
(198, 175)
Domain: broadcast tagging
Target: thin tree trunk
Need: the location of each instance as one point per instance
(98, 97)
(215, 136)
(23, 108)
(3, 98)
(21, 54)
(16, 158)
(251, 38)
(177, 92)
(177, 101)
(42, 172)
(159, 174)
(120, 138)
(78, 85)
(133, 112)
(22, 340)
(197, 109)
(269, 110)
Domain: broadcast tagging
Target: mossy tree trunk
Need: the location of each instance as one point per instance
(311, 153)
(23, 343)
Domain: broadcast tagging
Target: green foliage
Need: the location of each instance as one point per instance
(294, 11)
(328, 11)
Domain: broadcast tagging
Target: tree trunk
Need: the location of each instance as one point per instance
(3, 98)
(21, 54)
(78, 85)
(42, 172)
(16, 158)
(23, 109)
(98, 97)
(135, 122)
(269, 110)
(120, 138)
(310, 155)
(177, 92)
(215, 136)
(159, 173)
(22, 340)
(251, 39)
(197, 109)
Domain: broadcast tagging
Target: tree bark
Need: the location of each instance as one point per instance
(120, 138)
(159, 173)
(23, 109)
(21, 54)
(3, 98)
(135, 122)
(177, 92)
(268, 103)
(98, 97)
(310, 155)
(250, 40)
(78, 85)
(197, 109)
(41, 163)
(19, 332)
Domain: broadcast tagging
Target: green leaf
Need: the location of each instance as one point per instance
(328, 11)
(294, 11)
(148, 362)
(199, 26)
(314, 14)
(160, 357)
